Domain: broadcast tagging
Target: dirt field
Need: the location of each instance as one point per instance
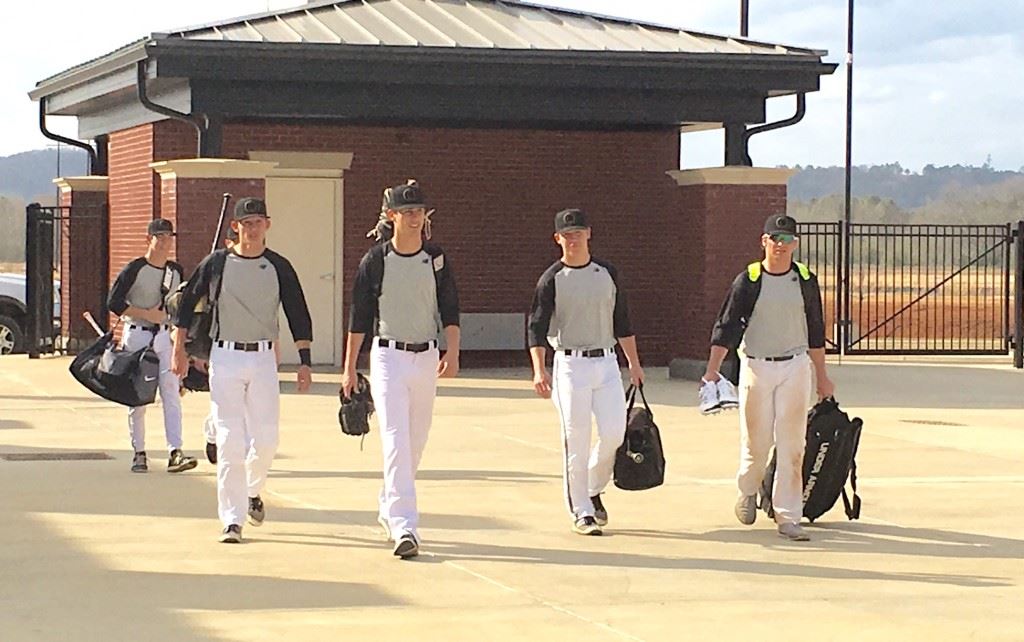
(16, 268)
(965, 313)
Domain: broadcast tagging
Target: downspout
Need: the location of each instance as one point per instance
(199, 121)
(67, 141)
(801, 109)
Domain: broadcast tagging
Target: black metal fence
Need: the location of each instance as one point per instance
(48, 235)
(918, 289)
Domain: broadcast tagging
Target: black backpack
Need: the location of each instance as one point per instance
(829, 460)
(640, 460)
(198, 340)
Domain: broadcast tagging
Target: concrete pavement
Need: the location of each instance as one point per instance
(89, 551)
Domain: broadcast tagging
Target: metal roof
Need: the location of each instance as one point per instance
(488, 24)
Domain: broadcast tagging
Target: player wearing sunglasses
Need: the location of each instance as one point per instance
(773, 314)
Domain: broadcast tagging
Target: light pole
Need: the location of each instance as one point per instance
(847, 213)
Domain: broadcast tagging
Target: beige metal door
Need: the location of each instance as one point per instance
(305, 216)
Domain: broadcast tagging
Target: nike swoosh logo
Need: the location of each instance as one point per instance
(150, 378)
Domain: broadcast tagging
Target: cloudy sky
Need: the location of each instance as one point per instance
(938, 82)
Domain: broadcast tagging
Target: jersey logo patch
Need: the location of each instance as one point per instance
(263, 266)
(439, 263)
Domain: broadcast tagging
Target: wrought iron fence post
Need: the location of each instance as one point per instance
(32, 338)
(846, 323)
(1018, 299)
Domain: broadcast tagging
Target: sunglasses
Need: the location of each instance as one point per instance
(782, 238)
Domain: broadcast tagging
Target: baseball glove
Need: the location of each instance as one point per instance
(354, 415)
(196, 380)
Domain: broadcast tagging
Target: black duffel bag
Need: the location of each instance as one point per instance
(640, 460)
(830, 458)
(127, 378)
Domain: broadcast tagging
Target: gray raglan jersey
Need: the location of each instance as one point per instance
(778, 325)
(143, 285)
(247, 291)
(408, 298)
(249, 300)
(579, 308)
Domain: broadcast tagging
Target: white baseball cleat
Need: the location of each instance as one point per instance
(709, 402)
(728, 396)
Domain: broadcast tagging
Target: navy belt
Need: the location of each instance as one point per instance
(407, 347)
(773, 358)
(596, 352)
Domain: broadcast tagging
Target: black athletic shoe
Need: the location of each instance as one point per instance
(139, 464)
(256, 511)
(406, 547)
(211, 453)
(600, 513)
(178, 462)
(231, 535)
(587, 526)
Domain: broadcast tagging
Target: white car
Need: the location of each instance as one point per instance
(13, 312)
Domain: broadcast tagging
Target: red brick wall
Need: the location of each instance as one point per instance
(82, 286)
(135, 187)
(496, 192)
(727, 221)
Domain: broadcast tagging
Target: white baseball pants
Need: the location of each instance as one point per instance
(403, 385)
(581, 387)
(774, 397)
(245, 398)
(136, 339)
(210, 434)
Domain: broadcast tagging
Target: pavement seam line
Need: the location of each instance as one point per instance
(523, 442)
(478, 575)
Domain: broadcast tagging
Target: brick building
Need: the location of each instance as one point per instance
(505, 112)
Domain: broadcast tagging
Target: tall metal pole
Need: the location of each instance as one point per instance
(847, 214)
(1018, 299)
(744, 18)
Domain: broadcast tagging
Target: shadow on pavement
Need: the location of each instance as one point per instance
(459, 551)
(861, 537)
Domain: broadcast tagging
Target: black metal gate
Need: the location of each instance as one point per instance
(918, 289)
(48, 236)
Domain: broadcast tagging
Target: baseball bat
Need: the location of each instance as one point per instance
(95, 326)
(220, 221)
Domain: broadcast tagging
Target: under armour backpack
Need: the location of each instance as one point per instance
(829, 460)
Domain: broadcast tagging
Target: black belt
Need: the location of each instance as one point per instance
(596, 352)
(407, 347)
(254, 346)
(773, 358)
(147, 328)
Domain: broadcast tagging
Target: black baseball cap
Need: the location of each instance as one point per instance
(570, 220)
(249, 207)
(160, 226)
(405, 197)
(780, 224)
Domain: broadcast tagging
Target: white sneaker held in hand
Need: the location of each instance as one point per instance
(728, 396)
(709, 402)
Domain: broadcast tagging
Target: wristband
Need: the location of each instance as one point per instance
(304, 357)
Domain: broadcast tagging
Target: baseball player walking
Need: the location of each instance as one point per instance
(774, 309)
(137, 296)
(579, 309)
(252, 282)
(402, 288)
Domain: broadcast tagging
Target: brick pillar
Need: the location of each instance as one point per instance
(83, 262)
(190, 196)
(723, 211)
